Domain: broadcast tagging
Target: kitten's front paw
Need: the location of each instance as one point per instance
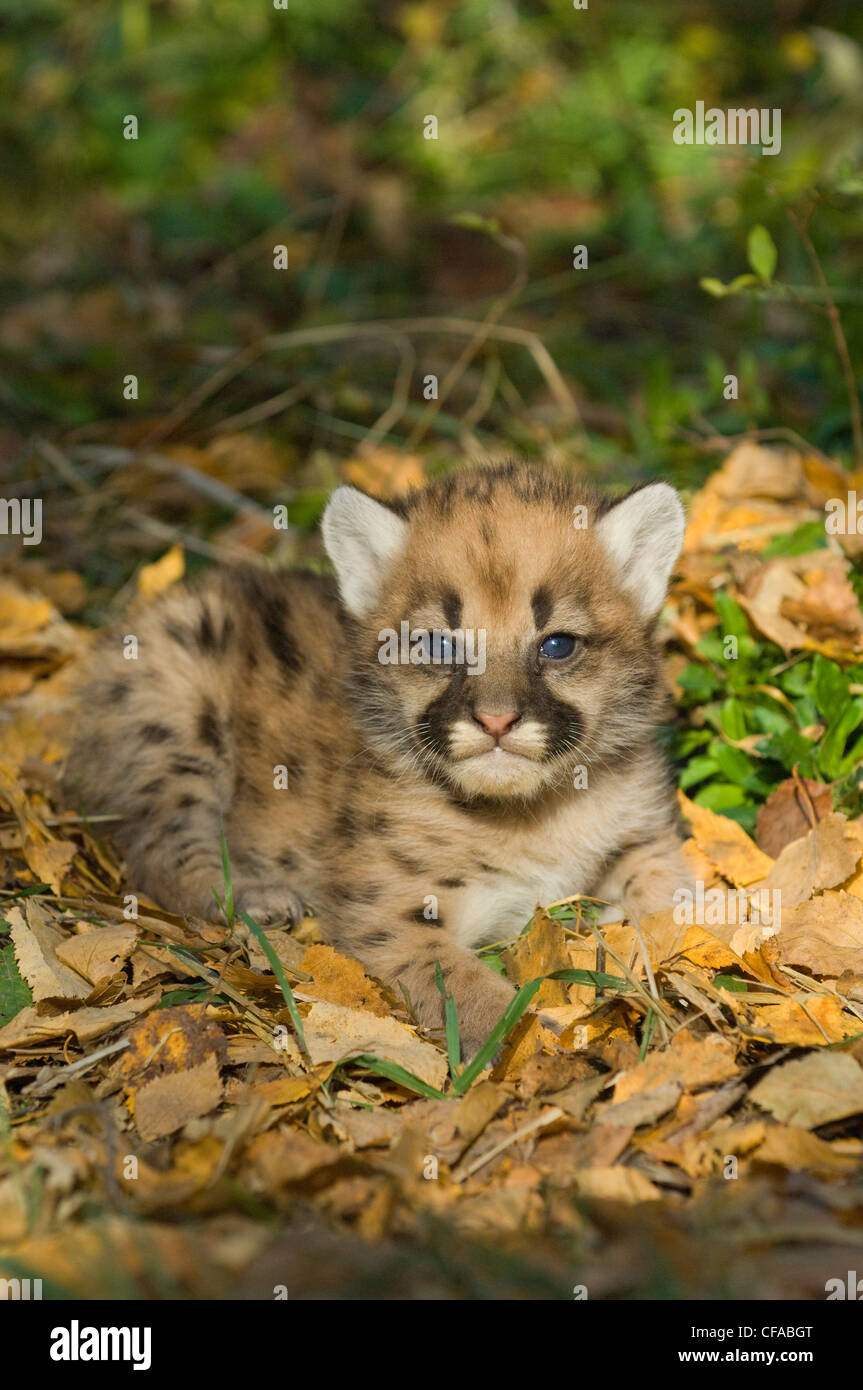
(268, 905)
(480, 1010)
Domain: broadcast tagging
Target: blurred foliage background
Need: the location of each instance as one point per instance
(304, 127)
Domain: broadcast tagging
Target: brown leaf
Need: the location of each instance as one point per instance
(30, 1027)
(334, 1032)
(165, 1104)
(695, 1063)
(338, 979)
(36, 939)
(784, 817)
(823, 858)
(540, 951)
(812, 1090)
(99, 954)
(824, 935)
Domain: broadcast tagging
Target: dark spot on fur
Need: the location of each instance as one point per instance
(177, 633)
(186, 802)
(206, 631)
(404, 861)
(191, 767)
(154, 787)
(209, 729)
(417, 915)
(156, 733)
(287, 860)
(452, 883)
(376, 938)
(266, 594)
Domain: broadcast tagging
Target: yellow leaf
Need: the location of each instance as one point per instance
(154, 579)
(726, 844)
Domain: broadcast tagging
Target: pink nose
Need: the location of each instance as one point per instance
(497, 724)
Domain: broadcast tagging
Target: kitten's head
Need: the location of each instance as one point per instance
(503, 624)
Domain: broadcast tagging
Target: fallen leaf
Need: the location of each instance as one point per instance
(541, 950)
(794, 1148)
(154, 579)
(812, 1090)
(694, 1062)
(29, 1027)
(726, 844)
(334, 1033)
(824, 935)
(99, 954)
(793, 1025)
(616, 1185)
(338, 979)
(823, 858)
(785, 817)
(36, 939)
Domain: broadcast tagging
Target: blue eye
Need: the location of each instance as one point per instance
(442, 649)
(558, 646)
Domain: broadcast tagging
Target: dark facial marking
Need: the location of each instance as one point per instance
(542, 604)
(451, 604)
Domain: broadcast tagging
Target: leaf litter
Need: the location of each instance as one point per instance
(268, 1113)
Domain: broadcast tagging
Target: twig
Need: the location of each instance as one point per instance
(546, 1118)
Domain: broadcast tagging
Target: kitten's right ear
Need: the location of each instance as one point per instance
(362, 538)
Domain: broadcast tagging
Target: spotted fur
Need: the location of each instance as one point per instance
(413, 833)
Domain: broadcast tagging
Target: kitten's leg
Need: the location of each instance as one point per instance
(155, 746)
(644, 879)
(405, 958)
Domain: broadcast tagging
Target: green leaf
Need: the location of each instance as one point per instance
(734, 620)
(731, 982)
(733, 763)
(733, 719)
(276, 967)
(14, 991)
(714, 287)
(831, 749)
(761, 252)
(830, 688)
(809, 536)
(697, 770)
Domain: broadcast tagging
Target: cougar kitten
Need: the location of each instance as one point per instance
(458, 728)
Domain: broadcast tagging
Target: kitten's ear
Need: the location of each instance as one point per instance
(362, 538)
(643, 535)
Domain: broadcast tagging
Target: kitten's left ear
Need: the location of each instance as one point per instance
(362, 538)
(643, 535)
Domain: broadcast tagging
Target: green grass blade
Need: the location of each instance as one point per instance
(276, 966)
(453, 1042)
(381, 1066)
(507, 1021)
(228, 907)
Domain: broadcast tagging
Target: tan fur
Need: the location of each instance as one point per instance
(381, 822)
